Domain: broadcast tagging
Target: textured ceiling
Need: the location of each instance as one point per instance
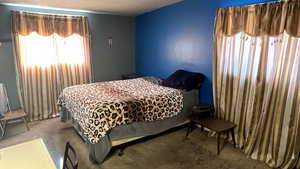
(121, 7)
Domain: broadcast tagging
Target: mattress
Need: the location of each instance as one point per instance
(99, 107)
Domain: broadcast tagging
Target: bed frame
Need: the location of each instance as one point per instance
(120, 136)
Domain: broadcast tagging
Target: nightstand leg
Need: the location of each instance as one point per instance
(201, 128)
(218, 143)
(189, 129)
(233, 138)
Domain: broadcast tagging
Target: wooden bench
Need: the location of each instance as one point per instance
(201, 115)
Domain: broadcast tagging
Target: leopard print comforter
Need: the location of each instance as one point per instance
(98, 107)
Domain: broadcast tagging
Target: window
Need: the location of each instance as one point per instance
(43, 51)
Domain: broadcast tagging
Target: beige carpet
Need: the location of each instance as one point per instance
(169, 151)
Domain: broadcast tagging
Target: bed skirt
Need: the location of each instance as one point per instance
(99, 151)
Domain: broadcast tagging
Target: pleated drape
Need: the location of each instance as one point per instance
(48, 24)
(256, 80)
(264, 19)
(48, 37)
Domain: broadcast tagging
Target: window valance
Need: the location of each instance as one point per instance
(263, 19)
(25, 23)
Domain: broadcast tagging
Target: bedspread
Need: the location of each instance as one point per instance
(98, 107)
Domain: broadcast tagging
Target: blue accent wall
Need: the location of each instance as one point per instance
(180, 36)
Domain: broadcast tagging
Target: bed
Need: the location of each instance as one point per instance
(107, 114)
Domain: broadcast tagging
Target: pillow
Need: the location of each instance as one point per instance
(182, 79)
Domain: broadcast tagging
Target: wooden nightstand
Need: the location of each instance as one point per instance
(202, 115)
(199, 111)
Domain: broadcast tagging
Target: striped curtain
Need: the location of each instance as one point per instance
(256, 79)
(52, 52)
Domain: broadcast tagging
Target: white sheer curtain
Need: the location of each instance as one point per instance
(43, 51)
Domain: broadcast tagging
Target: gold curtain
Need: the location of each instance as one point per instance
(256, 79)
(45, 56)
(25, 23)
(256, 20)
